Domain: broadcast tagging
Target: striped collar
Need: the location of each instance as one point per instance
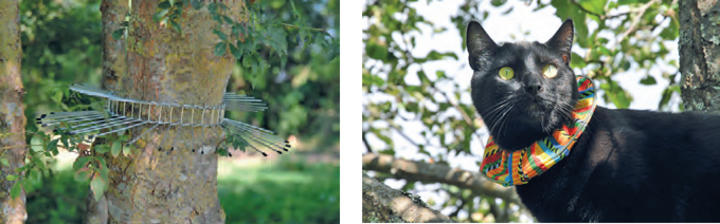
(518, 167)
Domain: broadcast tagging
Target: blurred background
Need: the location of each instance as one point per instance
(416, 98)
(61, 41)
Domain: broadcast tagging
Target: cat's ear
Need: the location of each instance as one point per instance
(478, 44)
(477, 41)
(563, 40)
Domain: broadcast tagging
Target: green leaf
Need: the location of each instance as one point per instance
(220, 34)
(102, 148)
(498, 3)
(36, 143)
(176, 26)
(11, 177)
(160, 15)
(577, 61)
(164, 5)
(4, 161)
(596, 6)
(81, 162)
(671, 31)
(197, 4)
(15, 190)
(227, 19)
(376, 51)
(82, 175)
(116, 148)
(52, 147)
(98, 186)
(220, 49)
(235, 51)
(648, 80)
(127, 150)
(117, 34)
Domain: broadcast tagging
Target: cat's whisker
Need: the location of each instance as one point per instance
(498, 116)
(504, 119)
(497, 109)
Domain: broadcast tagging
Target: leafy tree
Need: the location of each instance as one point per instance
(611, 37)
(282, 51)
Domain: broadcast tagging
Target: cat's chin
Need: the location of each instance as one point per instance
(523, 132)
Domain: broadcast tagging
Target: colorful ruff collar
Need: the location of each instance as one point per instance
(517, 168)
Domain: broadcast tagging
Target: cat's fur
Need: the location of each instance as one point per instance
(628, 165)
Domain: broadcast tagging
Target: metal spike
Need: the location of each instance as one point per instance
(263, 140)
(122, 129)
(76, 119)
(141, 134)
(109, 125)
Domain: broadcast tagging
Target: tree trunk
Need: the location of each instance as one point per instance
(114, 52)
(700, 54)
(385, 204)
(156, 63)
(113, 65)
(12, 117)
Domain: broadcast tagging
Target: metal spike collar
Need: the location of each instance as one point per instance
(124, 113)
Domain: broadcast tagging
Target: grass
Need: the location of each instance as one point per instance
(282, 192)
(250, 191)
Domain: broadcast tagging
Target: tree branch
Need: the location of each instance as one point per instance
(384, 204)
(367, 145)
(434, 173)
(634, 25)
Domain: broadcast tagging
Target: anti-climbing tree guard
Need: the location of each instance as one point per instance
(122, 114)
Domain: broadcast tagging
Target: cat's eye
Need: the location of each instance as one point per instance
(549, 71)
(506, 73)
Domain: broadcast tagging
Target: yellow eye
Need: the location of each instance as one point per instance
(506, 73)
(549, 71)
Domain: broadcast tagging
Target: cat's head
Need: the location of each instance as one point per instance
(525, 90)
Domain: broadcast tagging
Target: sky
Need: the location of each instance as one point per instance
(541, 25)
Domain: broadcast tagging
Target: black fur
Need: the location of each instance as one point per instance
(628, 165)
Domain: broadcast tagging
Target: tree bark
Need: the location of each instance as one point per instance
(433, 173)
(384, 204)
(699, 43)
(12, 117)
(156, 63)
(114, 52)
(113, 65)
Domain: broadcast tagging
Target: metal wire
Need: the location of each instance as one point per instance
(123, 114)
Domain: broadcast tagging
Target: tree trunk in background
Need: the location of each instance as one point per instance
(114, 52)
(12, 117)
(699, 43)
(113, 65)
(160, 64)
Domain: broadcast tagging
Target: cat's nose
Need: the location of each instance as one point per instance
(533, 88)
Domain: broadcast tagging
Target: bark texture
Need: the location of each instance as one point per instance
(433, 173)
(384, 204)
(699, 43)
(156, 63)
(114, 53)
(12, 117)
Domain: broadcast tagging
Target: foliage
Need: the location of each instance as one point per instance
(287, 53)
(294, 66)
(59, 198)
(61, 44)
(611, 37)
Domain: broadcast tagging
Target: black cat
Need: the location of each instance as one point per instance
(627, 165)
